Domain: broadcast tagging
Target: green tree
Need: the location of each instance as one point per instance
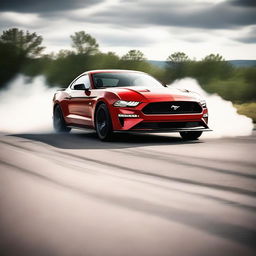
(213, 67)
(134, 55)
(177, 58)
(27, 44)
(178, 66)
(17, 48)
(9, 63)
(213, 57)
(64, 53)
(84, 43)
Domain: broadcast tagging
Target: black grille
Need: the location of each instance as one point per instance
(172, 107)
(168, 125)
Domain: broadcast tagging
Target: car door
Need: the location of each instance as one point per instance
(79, 100)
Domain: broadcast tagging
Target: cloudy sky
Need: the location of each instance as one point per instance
(156, 27)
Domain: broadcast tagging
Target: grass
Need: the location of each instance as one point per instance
(247, 109)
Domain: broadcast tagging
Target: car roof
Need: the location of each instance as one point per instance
(111, 71)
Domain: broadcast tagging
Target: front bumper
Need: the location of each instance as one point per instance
(171, 126)
(134, 120)
(167, 130)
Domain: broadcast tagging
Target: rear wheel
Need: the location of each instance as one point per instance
(190, 135)
(103, 123)
(58, 121)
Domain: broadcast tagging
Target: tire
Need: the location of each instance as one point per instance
(59, 124)
(190, 135)
(103, 123)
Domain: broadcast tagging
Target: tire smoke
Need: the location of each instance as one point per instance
(26, 106)
(223, 117)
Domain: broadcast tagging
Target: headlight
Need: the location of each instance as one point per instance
(203, 103)
(124, 103)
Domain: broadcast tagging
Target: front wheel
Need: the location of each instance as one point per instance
(103, 123)
(190, 135)
(59, 124)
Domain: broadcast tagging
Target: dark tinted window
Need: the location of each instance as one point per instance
(123, 79)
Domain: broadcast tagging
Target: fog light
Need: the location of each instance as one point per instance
(128, 115)
(205, 115)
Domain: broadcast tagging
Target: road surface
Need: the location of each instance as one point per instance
(139, 195)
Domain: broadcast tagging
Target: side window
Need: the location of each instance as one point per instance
(83, 80)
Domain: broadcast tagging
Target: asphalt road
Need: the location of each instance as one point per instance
(139, 195)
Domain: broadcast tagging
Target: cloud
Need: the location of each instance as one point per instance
(248, 38)
(143, 13)
(124, 39)
(41, 6)
(251, 39)
(228, 14)
(11, 19)
(245, 3)
(157, 28)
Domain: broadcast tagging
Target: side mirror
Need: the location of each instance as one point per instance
(83, 87)
(79, 87)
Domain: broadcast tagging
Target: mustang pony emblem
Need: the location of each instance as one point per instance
(174, 107)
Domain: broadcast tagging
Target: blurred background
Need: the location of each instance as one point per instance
(212, 41)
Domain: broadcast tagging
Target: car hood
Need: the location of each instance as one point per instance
(143, 94)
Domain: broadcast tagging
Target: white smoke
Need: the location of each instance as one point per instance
(26, 106)
(223, 117)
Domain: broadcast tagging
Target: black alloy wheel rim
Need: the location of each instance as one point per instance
(102, 125)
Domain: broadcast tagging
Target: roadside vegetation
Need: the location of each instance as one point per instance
(247, 109)
(22, 52)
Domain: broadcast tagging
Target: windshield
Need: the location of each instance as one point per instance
(123, 79)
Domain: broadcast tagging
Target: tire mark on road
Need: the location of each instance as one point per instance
(179, 162)
(232, 232)
(181, 180)
(173, 179)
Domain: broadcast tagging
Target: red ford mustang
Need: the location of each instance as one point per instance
(126, 100)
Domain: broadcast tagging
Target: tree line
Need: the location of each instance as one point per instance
(22, 52)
